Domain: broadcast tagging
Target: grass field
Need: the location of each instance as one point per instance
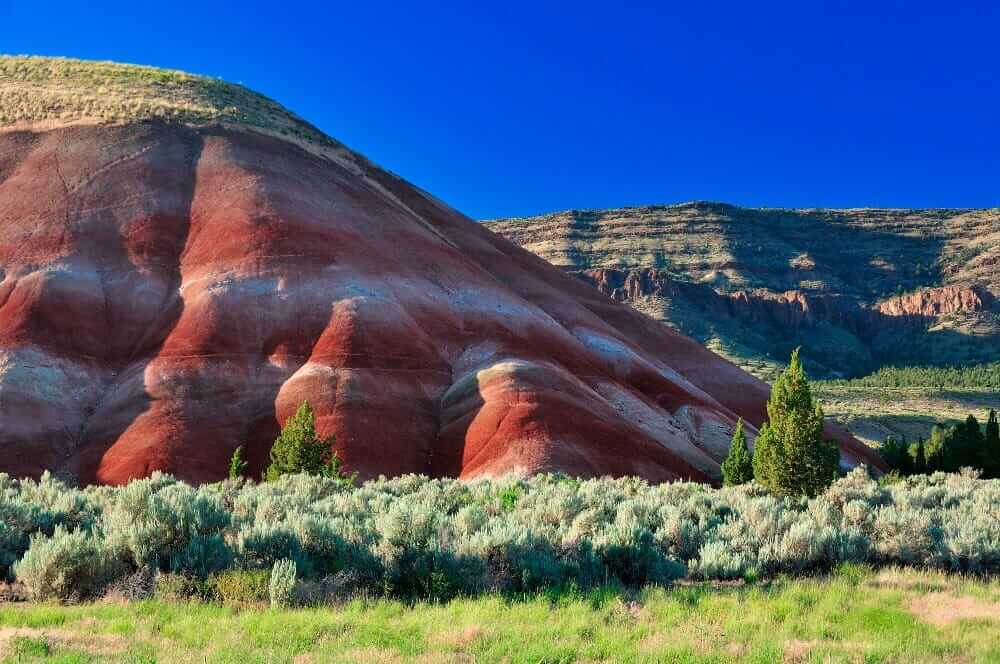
(854, 615)
(872, 413)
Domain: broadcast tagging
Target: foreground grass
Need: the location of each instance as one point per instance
(853, 615)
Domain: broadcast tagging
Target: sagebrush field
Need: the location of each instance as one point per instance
(419, 538)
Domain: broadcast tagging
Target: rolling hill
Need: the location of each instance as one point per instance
(183, 262)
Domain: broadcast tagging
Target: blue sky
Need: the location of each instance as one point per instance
(513, 109)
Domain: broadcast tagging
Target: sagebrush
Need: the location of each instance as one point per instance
(415, 537)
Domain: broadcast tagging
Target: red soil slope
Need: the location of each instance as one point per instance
(169, 293)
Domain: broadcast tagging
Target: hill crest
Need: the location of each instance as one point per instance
(55, 91)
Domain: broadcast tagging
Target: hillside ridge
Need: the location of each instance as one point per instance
(62, 91)
(751, 283)
(708, 204)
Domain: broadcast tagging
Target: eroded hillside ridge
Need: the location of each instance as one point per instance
(171, 290)
(857, 288)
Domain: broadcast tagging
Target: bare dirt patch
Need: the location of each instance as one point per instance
(372, 656)
(458, 639)
(942, 609)
(905, 580)
(796, 651)
(103, 645)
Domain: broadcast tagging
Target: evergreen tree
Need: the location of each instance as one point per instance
(957, 447)
(991, 445)
(237, 466)
(738, 466)
(920, 458)
(299, 450)
(938, 456)
(791, 457)
(897, 455)
(965, 444)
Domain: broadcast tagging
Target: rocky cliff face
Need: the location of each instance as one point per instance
(170, 291)
(791, 309)
(759, 282)
(795, 309)
(930, 303)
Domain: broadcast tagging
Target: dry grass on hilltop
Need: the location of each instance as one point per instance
(61, 90)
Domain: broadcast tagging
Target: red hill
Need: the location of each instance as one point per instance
(174, 285)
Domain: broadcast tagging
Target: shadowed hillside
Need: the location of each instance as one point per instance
(857, 289)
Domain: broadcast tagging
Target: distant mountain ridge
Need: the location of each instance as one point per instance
(856, 288)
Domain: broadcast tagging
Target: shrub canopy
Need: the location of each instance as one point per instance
(299, 450)
(413, 537)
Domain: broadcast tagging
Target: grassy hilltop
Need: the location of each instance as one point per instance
(62, 90)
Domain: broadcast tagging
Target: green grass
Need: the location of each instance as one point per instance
(853, 615)
(873, 413)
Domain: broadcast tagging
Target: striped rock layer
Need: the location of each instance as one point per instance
(169, 293)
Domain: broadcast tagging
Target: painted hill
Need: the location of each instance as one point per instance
(183, 263)
(857, 289)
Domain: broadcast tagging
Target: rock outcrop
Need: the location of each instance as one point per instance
(795, 309)
(934, 302)
(170, 291)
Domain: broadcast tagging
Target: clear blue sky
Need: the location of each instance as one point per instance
(521, 108)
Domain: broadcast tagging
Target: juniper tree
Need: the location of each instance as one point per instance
(959, 446)
(938, 454)
(299, 450)
(897, 455)
(971, 444)
(738, 466)
(991, 446)
(237, 466)
(791, 457)
(919, 458)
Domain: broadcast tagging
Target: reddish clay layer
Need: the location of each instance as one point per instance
(168, 294)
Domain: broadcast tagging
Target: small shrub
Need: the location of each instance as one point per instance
(174, 587)
(67, 565)
(330, 589)
(282, 583)
(162, 523)
(237, 466)
(242, 586)
(26, 646)
(299, 450)
(262, 545)
(716, 560)
(133, 587)
(508, 497)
